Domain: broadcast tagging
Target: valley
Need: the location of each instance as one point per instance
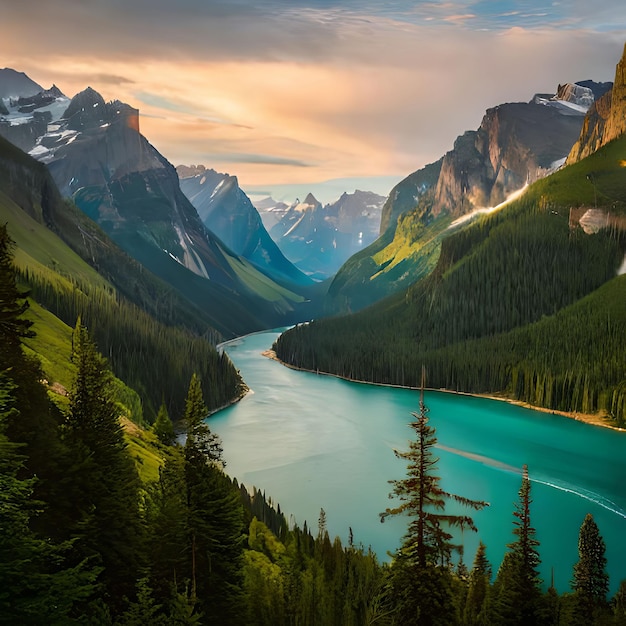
(147, 443)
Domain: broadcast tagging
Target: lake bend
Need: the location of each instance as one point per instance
(311, 441)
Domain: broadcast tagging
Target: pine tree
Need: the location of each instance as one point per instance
(427, 541)
(166, 521)
(517, 589)
(36, 423)
(108, 523)
(476, 605)
(200, 440)
(13, 304)
(590, 582)
(36, 586)
(163, 427)
(214, 520)
(421, 581)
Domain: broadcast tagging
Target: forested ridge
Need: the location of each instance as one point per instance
(523, 302)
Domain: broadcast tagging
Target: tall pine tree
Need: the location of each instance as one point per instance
(214, 520)
(421, 579)
(590, 582)
(476, 609)
(517, 589)
(108, 527)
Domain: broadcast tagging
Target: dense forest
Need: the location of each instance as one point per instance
(523, 302)
(84, 540)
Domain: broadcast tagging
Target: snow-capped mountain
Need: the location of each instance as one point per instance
(319, 239)
(26, 108)
(100, 160)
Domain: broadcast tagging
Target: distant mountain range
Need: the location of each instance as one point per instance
(320, 239)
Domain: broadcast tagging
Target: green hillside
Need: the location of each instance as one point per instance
(153, 338)
(517, 304)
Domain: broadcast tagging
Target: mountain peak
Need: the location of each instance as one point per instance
(85, 109)
(310, 199)
(14, 84)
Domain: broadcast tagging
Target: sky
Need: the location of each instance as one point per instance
(295, 91)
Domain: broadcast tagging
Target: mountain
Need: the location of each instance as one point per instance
(270, 210)
(26, 108)
(72, 268)
(14, 85)
(319, 239)
(528, 303)
(606, 119)
(98, 157)
(228, 212)
(515, 144)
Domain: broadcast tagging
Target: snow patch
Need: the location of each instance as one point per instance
(555, 165)
(217, 187)
(38, 151)
(486, 210)
(203, 180)
(294, 226)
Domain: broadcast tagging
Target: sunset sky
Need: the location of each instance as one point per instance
(288, 91)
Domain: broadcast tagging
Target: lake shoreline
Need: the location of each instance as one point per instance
(587, 418)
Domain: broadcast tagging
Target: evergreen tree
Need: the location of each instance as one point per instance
(163, 427)
(13, 304)
(590, 582)
(476, 605)
(214, 520)
(517, 588)
(427, 542)
(108, 523)
(36, 586)
(36, 423)
(166, 521)
(618, 604)
(200, 440)
(422, 586)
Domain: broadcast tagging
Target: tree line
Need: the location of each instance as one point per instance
(519, 303)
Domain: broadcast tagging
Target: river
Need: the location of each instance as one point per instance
(312, 441)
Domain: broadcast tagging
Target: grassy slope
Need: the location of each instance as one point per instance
(52, 344)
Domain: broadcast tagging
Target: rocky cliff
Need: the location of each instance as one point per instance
(605, 120)
(516, 143)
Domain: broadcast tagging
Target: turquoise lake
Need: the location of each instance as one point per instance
(312, 441)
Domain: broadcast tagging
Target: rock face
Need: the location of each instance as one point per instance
(319, 239)
(606, 119)
(575, 94)
(228, 212)
(516, 143)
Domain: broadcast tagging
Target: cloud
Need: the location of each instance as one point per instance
(109, 79)
(318, 89)
(258, 159)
